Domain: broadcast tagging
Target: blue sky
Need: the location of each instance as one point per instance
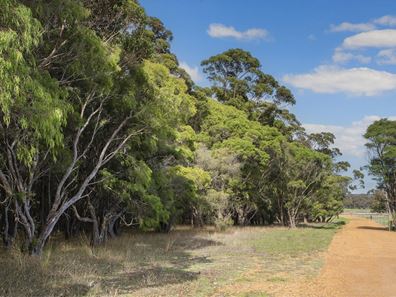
(337, 56)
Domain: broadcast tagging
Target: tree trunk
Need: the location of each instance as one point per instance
(111, 228)
(99, 231)
(292, 219)
(10, 229)
(95, 240)
(22, 214)
(68, 225)
(281, 211)
(196, 218)
(292, 223)
(52, 219)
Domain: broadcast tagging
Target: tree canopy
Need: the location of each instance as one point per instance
(102, 130)
(381, 144)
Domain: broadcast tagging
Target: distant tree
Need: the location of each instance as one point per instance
(322, 142)
(378, 203)
(358, 201)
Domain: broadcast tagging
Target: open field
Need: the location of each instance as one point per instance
(251, 261)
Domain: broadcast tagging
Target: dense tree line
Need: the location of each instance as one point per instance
(101, 128)
(358, 201)
(373, 201)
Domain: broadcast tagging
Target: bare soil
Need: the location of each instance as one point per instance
(360, 262)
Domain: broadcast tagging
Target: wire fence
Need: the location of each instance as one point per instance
(380, 218)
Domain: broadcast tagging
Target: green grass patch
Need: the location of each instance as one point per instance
(296, 241)
(356, 210)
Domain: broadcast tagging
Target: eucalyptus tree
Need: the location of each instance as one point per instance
(328, 201)
(381, 145)
(99, 123)
(115, 100)
(127, 180)
(84, 73)
(225, 127)
(378, 201)
(297, 173)
(322, 142)
(224, 168)
(32, 114)
(239, 81)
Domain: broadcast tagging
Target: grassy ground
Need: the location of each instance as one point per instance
(356, 210)
(251, 261)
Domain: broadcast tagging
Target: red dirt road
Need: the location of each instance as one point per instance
(360, 262)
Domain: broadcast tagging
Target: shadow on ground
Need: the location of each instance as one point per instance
(373, 228)
(124, 265)
(330, 225)
(128, 282)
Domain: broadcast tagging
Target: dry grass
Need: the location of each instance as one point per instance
(183, 263)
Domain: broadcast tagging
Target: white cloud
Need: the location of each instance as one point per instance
(386, 20)
(376, 38)
(354, 81)
(340, 56)
(387, 56)
(350, 27)
(349, 139)
(223, 31)
(192, 71)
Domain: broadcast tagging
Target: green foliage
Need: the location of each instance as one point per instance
(31, 102)
(330, 197)
(172, 103)
(381, 142)
(358, 201)
(298, 174)
(239, 81)
(238, 78)
(378, 203)
(227, 127)
(190, 183)
(95, 85)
